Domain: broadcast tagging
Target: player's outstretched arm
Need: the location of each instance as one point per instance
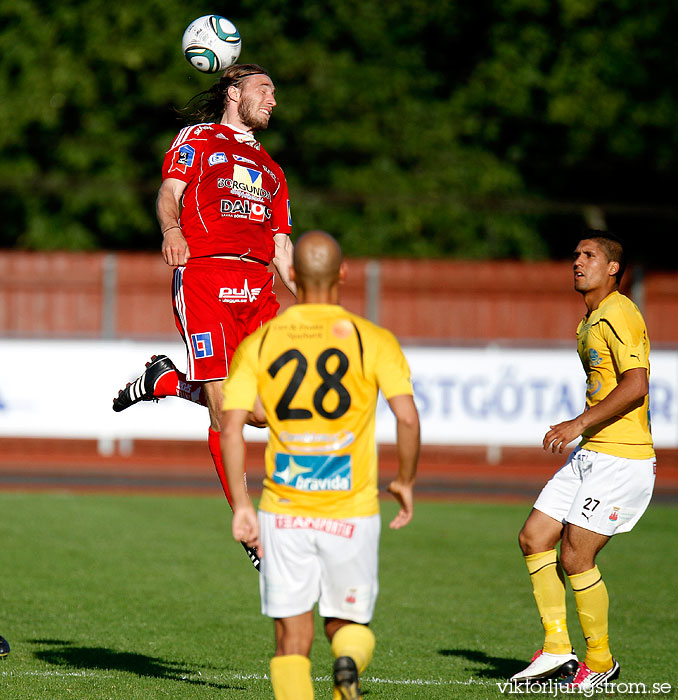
(168, 206)
(408, 443)
(244, 526)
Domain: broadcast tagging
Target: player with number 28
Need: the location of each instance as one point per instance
(318, 370)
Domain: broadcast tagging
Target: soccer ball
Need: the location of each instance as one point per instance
(211, 43)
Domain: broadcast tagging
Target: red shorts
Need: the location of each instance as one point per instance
(217, 303)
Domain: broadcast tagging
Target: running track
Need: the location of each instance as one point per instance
(175, 467)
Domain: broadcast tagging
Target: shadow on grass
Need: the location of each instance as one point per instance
(500, 667)
(64, 653)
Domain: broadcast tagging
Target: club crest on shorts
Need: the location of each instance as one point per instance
(357, 599)
(351, 597)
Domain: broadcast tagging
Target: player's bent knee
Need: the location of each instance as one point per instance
(575, 562)
(529, 543)
(523, 541)
(540, 533)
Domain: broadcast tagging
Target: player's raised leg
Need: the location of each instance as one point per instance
(160, 379)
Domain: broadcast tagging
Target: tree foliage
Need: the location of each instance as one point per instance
(405, 128)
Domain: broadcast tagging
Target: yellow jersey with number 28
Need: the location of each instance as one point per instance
(318, 370)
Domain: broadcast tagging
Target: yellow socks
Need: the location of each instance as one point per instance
(356, 641)
(291, 677)
(592, 601)
(549, 592)
(291, 674)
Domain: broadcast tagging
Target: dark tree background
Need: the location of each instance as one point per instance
(484, 128)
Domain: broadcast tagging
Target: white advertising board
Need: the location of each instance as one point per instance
(466, 396)
(500, 396)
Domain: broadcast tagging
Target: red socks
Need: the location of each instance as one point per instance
(214, 443)
(175, 384)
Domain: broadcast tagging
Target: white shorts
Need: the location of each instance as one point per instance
(309, 560)
(599, 492)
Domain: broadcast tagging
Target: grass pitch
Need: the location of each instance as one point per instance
(130, 597)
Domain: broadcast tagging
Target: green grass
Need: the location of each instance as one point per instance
(130, 597)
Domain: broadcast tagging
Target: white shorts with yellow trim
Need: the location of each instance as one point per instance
(308, 560)
(599, 492)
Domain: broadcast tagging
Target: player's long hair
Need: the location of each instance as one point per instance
(209, 105)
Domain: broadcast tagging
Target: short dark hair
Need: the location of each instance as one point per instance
(209, 105)
(612, 245)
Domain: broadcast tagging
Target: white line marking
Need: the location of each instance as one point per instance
(59, 674)
(252, 677)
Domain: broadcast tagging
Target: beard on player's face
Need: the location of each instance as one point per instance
(250, 116)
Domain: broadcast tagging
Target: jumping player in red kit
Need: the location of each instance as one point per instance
(224, 214)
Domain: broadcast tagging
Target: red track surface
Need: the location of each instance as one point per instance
(185, 467)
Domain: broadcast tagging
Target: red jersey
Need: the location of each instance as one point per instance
(236, 197)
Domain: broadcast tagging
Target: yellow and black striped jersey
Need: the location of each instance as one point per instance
(318, 370)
